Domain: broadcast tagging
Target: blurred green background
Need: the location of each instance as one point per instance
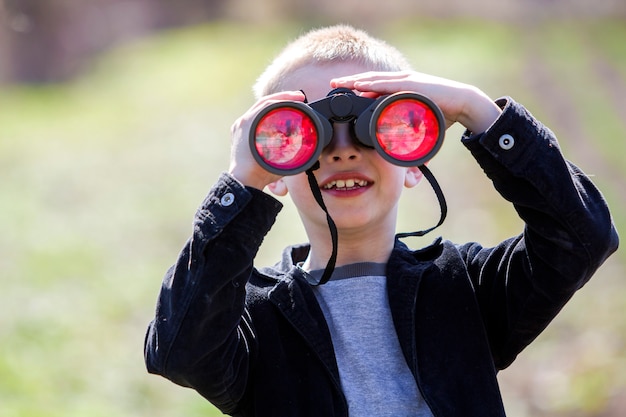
(102, 167)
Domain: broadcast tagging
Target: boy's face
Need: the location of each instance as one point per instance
(360, 189)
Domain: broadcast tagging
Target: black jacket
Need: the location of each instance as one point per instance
(255, 342)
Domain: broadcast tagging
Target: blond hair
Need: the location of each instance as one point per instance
(338, 43)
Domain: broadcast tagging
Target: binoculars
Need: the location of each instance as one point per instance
(406, 128)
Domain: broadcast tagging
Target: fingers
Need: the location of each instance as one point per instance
(242, 164)
(370, 84)
(372, 76)
(274, 98)
(391, 82)
(246, 119)
(376, 82)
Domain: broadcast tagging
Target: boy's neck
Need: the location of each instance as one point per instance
(350, 250)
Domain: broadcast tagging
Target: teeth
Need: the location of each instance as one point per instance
(349, 183)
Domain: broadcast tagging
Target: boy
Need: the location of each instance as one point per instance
(395, 332)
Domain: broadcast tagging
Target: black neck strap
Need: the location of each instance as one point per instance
(317, 194)
(443, 207)
(330, 266)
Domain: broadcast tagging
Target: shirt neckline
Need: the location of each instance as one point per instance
(359, 269)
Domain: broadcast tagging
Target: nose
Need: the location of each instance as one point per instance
(343, 146)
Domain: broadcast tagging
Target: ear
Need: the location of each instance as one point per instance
(278, 188)
(412, 177)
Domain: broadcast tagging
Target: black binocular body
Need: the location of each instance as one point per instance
(406, 128)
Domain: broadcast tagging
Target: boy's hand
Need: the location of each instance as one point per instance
(243, 166)
(459, 102)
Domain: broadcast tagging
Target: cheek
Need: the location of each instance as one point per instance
(298, 187)
(392, 175)
(394, 182)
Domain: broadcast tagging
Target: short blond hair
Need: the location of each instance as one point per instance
(338, 43)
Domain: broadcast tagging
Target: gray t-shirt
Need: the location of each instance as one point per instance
(375, 377)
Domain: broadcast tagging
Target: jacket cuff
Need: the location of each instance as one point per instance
(513, 140)
(228, 199)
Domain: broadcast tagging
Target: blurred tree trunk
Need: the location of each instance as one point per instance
(47, 41)
(31, 50)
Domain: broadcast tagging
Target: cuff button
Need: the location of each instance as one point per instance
(227, 199)
(506, 142)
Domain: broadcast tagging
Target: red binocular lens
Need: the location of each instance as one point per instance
(285, 138)
(406, 128)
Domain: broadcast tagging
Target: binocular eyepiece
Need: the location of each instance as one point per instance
(406, 128)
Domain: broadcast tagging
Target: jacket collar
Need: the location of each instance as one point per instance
(405, 269)
(294, 298)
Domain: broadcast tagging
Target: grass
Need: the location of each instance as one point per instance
(101, 177)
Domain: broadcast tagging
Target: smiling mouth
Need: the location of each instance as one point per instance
(348, 184)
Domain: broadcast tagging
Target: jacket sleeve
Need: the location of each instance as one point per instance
(201, 336)
(524, 282)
